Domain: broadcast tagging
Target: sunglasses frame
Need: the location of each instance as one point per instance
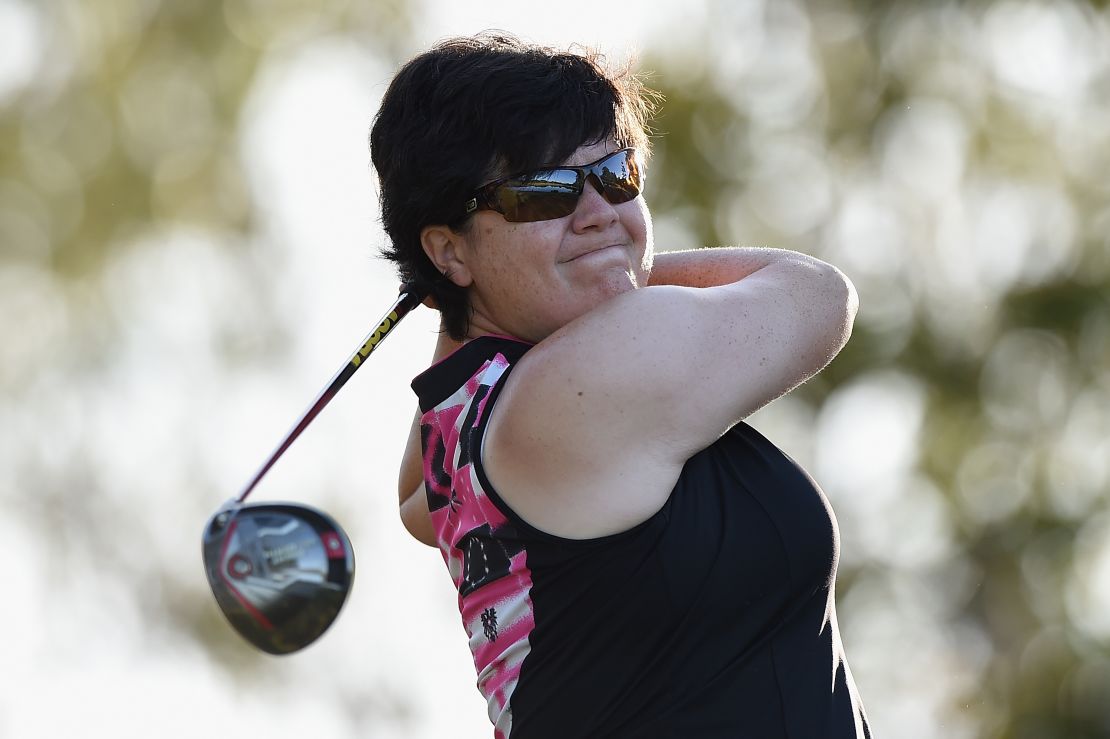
(485, 198)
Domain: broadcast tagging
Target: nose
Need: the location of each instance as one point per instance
(593, 210)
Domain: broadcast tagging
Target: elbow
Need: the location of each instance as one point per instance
(847, 304)
(834, 309)
(417, 519)
(843, 312)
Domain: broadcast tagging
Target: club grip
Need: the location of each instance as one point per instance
(406, 301)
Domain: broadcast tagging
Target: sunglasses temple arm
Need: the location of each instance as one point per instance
(405, 302)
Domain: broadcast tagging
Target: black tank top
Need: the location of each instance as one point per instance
(713, 618)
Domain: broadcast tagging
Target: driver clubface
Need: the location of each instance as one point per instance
(280, 572)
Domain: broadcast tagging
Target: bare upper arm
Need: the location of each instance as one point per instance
(617, 400)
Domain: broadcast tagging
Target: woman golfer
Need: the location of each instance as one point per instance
(631, 558)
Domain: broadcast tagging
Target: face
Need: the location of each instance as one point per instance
(530, 279)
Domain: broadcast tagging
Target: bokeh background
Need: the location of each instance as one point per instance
(188, 226)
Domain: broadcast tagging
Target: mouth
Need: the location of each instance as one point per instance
(590, 252)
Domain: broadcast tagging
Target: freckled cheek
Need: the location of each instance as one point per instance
(520, 279)
(636, 219)
(638, 225)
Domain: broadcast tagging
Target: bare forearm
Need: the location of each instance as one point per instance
(719, 266)
(826, 293)
(411, 474)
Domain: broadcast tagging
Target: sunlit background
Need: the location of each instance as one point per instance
(188, 225)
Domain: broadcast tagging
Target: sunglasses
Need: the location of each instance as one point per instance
(553, 193)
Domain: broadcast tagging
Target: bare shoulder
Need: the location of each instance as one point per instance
(595, 423)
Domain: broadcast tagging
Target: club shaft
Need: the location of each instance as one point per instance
(405, 302)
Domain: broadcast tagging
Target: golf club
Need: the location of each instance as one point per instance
(280, 572)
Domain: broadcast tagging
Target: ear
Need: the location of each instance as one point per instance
(447, 249)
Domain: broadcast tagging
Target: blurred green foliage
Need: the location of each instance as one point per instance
(127, 128)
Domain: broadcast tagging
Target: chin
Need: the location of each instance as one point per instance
(617, 282)
(605, 290)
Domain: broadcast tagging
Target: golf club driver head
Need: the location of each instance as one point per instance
(280, 571)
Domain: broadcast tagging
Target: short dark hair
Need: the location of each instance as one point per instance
(474, 108)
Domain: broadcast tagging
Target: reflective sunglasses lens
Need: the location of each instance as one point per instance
(539, 197)
(523, 206)
(280, 572)
(620, 177)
